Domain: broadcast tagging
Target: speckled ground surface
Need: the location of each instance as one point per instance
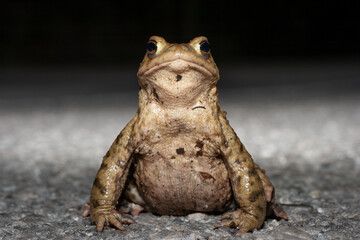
(307, 138)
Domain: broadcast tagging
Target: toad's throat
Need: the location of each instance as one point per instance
(182, 96)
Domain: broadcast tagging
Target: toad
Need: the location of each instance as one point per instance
(179, 154)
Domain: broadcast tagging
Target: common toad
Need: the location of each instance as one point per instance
(179, 154)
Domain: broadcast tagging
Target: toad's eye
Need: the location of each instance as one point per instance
(151, 47)
(205, 47)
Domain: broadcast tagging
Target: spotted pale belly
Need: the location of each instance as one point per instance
(182, 183)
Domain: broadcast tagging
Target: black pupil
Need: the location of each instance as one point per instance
(151, 47)
(205, 46)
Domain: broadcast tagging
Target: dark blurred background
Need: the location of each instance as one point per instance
(98, 45)
(289, 80)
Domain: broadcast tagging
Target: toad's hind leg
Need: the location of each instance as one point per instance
(272, 206)
(268, 187)
(127, 207)
(131, 201)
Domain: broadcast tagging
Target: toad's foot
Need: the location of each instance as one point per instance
(107, 215)
(86, 210)
(242, 221)
(278, 211)
(131, 208)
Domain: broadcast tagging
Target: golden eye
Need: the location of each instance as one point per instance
(205, 47)
(151, 47)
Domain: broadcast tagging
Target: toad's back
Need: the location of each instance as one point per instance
(181, 176)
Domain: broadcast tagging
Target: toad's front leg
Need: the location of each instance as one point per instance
(246, 184)
(110, 181)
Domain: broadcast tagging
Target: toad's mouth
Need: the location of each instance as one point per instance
(179, 64)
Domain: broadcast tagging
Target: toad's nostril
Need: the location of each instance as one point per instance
(178, 78)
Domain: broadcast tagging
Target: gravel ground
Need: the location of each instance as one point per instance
(307, 139)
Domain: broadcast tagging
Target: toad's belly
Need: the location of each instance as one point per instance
(184, 183)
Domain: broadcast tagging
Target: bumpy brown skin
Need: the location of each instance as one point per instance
(180, 151)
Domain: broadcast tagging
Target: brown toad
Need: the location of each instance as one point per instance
(179, 155)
